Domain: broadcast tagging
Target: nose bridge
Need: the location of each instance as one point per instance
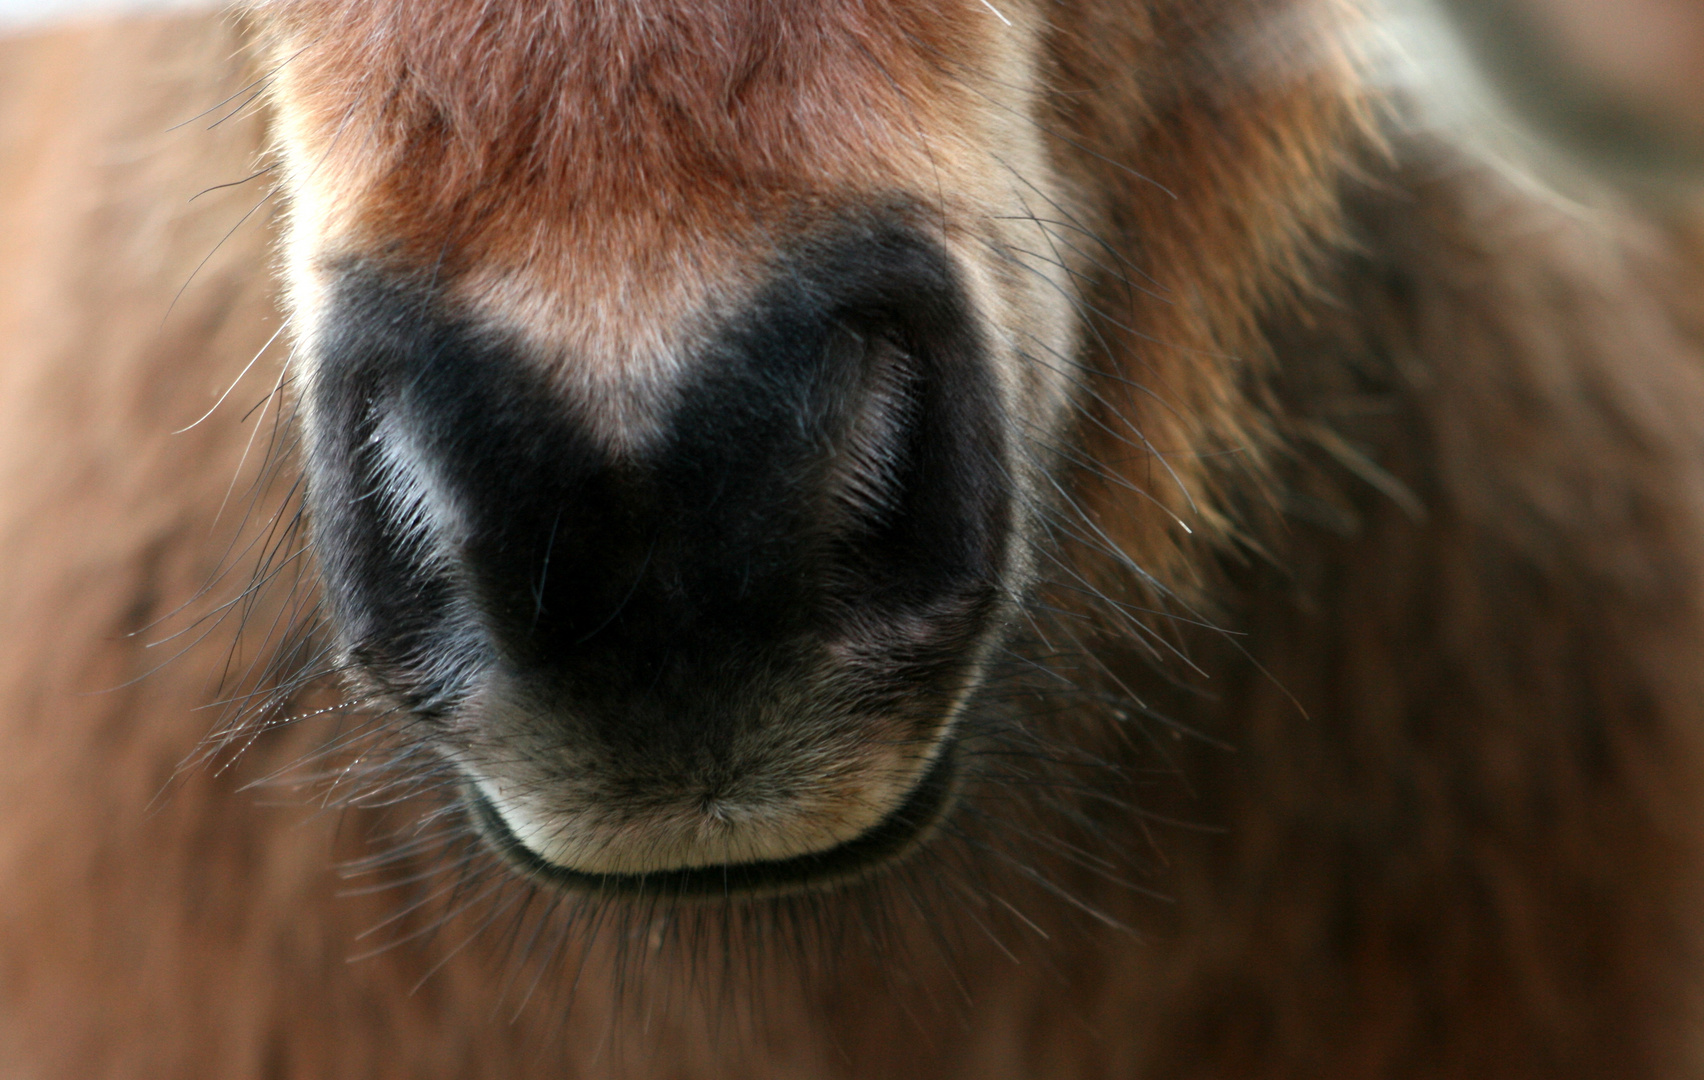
(535, 113)
(611, 176)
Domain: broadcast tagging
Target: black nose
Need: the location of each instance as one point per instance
(823, 509)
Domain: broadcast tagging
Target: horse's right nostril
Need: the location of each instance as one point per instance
(797, 571)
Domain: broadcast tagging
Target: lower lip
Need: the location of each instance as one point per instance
(903, 829)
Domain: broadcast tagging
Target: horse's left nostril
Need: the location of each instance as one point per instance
(782, 597)
(873, 446)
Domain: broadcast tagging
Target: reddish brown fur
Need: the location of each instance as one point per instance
(671, 143)
(684, 120)
(1460, 828)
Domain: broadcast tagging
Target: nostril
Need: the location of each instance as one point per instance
(874, 449)
(412, 505)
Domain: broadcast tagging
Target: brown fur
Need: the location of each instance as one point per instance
(1441, 449)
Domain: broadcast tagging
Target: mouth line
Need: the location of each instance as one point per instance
(905, 827)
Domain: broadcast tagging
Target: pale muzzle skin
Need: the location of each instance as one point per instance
(686, 512)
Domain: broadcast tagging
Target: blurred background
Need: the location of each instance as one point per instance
(22, 13)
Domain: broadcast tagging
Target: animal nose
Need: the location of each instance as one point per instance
(806, 548)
